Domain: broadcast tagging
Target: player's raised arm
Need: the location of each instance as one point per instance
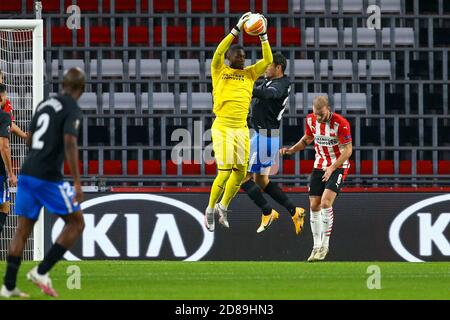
(261, 66)
(218, 58)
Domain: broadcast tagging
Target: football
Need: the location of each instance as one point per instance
(255, 24)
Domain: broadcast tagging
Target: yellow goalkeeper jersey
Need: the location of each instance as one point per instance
(232, 88)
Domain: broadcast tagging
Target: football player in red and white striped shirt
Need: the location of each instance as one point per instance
(8, 109)
(333, 144)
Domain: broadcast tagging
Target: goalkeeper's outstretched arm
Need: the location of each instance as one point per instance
(218, 58)
(261, 65)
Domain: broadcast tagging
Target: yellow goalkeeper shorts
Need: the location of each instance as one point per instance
(231, 145)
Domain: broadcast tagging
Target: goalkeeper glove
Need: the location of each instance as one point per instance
(263, 34)
(240, 23)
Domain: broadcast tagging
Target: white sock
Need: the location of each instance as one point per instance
(316, 228)
(223, 207)
(327, 225)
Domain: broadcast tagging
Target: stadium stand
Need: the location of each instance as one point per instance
(148, 67)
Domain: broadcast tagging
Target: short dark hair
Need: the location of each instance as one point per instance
(279, 60)
(2, 88)
(234, 48)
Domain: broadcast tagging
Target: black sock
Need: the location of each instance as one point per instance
(254, 192)
(279, 196)
(3, 217)
(12, 267)
(53, 256)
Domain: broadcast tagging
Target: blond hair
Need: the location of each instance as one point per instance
(321, 101)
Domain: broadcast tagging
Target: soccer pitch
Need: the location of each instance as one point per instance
(165, 280)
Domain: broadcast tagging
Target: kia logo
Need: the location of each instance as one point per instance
(429, 232)
(124, 228)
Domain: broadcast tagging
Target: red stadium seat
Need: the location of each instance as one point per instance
(132, 167)
(171, 167)
(385, 167)
(290, 36)
(213, 35)
(306, 166)
(196, 6)
(176, 35)
(99, 36)
(137, 35)
(444, 167)
(211, 169)
(191, 168)
(112, 167)
(366, 167)
(236, 6)
(424, 167)
(288, 166)
(352, 169)
(93, 167)
(48, 6)
(88, 5)
(252, 40)
(159, 6)
(405, 167)
(152, 167)
(277, 6)
(11, 6)
(67, 170)
(61, 36)
(120, 6)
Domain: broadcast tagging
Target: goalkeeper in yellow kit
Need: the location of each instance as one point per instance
(232, 94)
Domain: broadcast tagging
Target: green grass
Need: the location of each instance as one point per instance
(245, 280)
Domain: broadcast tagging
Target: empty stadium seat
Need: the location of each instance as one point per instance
(161, 101)
(99, 36)
(444, 167)
(306, 166)
(61, 36)
(339, 69)
(290, 36)
(187, 67)
(364, 37)
(291, 134)
(88, 101)
(424, 167)
(315, 6)
(11, 6)
(109, 68)
(388, 5)
(354, 101)
(88, 5)
(148, 68)
(347, 5)
(288, 166)
(212, 35)
(137, 36)
(121, 100)
(327, 36)
(235, 6)
(366, 167)
(67, 64)
(200, 100)
(176, 35)
(48, 6)
(370, 135)
(112, 167)
(385, 167)
(302, 68)
(403, 37)
(379, 68)
(152, 167)
(440, 36)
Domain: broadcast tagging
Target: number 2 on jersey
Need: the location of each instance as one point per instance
(42, 123)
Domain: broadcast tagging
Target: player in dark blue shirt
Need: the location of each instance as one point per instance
(268, 106)
(53, 137)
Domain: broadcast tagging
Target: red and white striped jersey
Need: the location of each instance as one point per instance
(329, 139)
